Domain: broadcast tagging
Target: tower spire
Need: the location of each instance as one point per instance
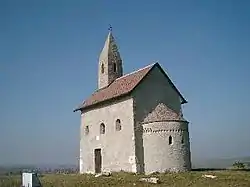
(110, 62)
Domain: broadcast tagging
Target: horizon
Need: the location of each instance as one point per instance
(49, 60)
(241, 159)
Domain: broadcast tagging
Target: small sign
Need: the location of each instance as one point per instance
(30, 180)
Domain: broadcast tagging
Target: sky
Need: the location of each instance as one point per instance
(49, 59)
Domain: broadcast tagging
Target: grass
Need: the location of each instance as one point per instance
(193, 179)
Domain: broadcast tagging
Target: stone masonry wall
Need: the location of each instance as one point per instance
(161, 156)
(152, 94)
(117, 147)
(108, 57)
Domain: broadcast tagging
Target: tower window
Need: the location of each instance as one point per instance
(87, 130)
(182, 139)
(114, 67)
(118, 126)
(170, 140)
(102, 128)
(102, 68)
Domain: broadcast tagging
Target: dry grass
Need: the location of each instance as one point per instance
(194, 179)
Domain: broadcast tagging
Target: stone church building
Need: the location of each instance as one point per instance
(133, 122)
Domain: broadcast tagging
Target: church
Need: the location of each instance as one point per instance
(133, 122)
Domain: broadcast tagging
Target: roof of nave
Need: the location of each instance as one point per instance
(122, 86)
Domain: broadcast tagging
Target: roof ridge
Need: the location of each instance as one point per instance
(140, 69)
(122, 86)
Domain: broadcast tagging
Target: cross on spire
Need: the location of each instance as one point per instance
(110, 28)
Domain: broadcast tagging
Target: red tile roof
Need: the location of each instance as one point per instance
(119, 87)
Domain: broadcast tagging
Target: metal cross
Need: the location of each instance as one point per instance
(110, 28)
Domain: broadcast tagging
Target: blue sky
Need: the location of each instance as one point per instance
(48, 65)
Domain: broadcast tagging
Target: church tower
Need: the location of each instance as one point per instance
(110, 63)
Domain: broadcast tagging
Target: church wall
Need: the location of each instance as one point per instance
(161, 156)
(155, 89)
(117, 147)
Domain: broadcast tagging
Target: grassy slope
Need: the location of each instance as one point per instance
(195, 179)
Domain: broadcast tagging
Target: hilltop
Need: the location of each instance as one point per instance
(191, 179)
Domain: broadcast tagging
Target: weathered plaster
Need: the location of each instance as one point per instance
(108, 57)
(148, 117)
(154, 103)
(158, 154)
(118, 147)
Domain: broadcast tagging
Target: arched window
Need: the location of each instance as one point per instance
(86, 130)
(102, 128)
(118, 126)
(182, 139)
(170, 140)
(114, 67)
(102, 68)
